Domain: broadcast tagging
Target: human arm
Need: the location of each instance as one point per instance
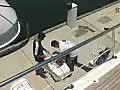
(41, 56)
(46, 51)
(35, 50)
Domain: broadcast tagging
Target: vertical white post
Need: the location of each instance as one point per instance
(72, 15)
(113, 41)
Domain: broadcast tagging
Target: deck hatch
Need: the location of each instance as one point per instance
(104, 20)
(82, 30)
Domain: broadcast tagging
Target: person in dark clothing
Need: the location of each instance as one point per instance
(38, 53)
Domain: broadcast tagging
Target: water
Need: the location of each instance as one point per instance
(43, 14)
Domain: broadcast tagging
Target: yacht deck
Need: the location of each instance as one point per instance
(88, 26)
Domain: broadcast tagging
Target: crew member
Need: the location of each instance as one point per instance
(38, 53)
(71, 58)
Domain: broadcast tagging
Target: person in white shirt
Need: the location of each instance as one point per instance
(71, 58)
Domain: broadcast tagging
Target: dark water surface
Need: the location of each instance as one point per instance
(43, 14)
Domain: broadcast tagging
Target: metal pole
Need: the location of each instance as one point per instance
(113, 42)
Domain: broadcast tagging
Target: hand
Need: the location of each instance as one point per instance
(44, 56)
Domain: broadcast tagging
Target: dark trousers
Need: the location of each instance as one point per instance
(41, 69)
(71, 61)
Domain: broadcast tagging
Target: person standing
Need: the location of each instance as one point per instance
(38, 53)
(71, 58)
